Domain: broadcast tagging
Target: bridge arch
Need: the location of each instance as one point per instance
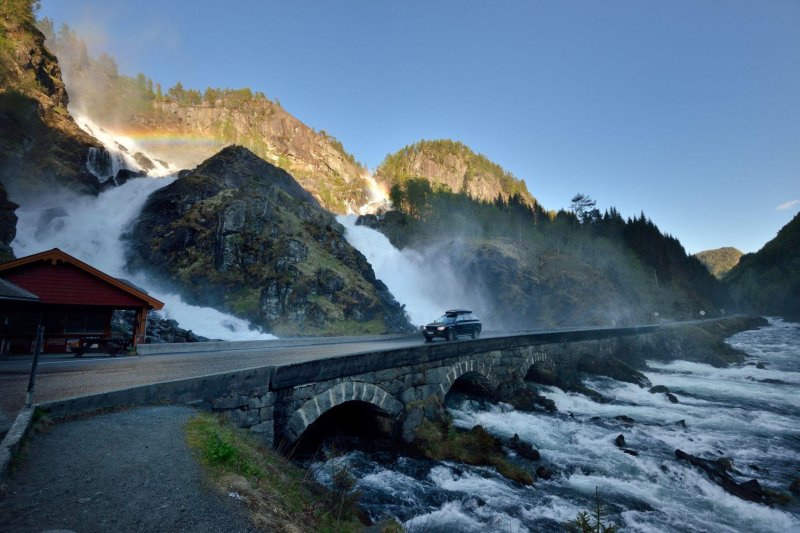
(539, 367)
(478, 372)
(348, 391)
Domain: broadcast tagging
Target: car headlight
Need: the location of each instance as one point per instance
(440, 328)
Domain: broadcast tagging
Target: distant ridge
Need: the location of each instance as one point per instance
(453, 165)
(720, 260)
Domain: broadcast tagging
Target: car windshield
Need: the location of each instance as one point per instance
(446, 319)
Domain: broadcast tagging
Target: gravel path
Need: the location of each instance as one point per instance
(124, 471)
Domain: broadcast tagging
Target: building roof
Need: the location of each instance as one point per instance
(55, 257)
(11, 292)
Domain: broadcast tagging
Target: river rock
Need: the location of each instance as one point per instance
(624, 418)
(681, 423)
(523, 448)
(659, 388)
(672, 398)
(631, 452)
(620, 441)
(761, 366)
(544, 473)
(718, 473)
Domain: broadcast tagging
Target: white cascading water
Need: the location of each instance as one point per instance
(423, 282)
(749, 413)
(119, 154)
(91, 228)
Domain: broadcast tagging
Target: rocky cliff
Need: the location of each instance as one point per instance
(318, 161)
(242, 235)
(452, 165)
(40, 144)
(768, 281)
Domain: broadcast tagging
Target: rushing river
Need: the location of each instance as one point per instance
(746, 413)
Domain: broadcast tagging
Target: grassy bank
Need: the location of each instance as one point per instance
(280, 496)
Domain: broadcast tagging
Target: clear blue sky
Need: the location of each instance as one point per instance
(686, 110)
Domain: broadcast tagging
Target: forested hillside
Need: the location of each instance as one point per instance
(719, 261)
(768, 281)
(452, 166)
(186, 125)
(533, 268)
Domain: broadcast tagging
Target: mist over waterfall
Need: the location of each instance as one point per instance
(424, 282)
(92, 228)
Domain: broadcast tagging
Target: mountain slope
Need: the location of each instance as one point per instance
(768, 281)
(40, 144)
(455, 166)
(719, 261)
(186, 126)
(240, 234)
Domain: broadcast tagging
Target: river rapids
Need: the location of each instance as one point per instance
(746, 413)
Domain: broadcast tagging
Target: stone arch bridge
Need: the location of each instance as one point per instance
(403, 385)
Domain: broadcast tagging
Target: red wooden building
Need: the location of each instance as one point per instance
(71, 299)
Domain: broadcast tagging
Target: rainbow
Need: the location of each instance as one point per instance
(146, 138)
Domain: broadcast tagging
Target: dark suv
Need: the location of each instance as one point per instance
(454, 323)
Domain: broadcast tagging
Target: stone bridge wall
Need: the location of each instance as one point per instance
(406, 393)
(406, 384)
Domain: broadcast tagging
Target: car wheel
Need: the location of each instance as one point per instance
(451, 336)
(475, 334)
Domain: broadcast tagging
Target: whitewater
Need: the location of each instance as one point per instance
(746, 413)
(93, 229)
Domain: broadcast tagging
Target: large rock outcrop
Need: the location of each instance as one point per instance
(242, 235)
(40, 144)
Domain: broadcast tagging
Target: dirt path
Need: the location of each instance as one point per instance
(124, 471)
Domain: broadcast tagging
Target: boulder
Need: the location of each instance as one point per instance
(523, 449)
(717, 471)
(672, 398)
(659, 388)
(620, 441)
(544, 473)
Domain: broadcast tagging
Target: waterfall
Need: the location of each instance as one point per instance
(92, 228)
(422, 280)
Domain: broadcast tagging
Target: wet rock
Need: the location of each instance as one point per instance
(725, 463)
(523, 449)
(544, 473)
(473, 502)
(659, 388)
(773, 381)
(672, 398)
(718, 473)
(631, 452)
(590, 393)
(605, 365)
(595, 419)
(681, 423)
(761, 366)
(620, 441)
(624, 418)
(795, 486)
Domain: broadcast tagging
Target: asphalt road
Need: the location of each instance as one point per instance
(62, 376)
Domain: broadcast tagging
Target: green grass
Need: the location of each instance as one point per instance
(443, 442)
(279, 495)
